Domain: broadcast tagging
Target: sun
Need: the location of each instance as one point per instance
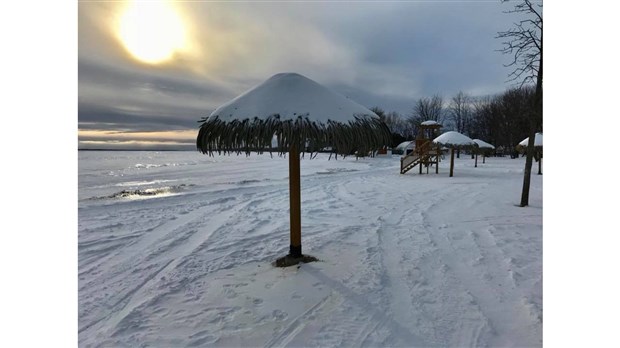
(151, 31)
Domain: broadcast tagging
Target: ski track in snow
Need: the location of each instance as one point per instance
(406, 260)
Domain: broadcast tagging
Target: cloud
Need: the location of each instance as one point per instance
(383, 54)
(114, 139)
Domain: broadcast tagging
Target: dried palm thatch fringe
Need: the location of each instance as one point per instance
(363, 134)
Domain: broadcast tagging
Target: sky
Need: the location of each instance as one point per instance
(148, 71)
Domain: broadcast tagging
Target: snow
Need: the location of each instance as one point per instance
(291, 95)
(405, 145)
(483, 144)
(538, 140)
(406, 260)
(453, 138)
(429, 123)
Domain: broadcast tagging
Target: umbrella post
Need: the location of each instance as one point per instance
(476, 165)
(295, 201)
(483, 157)
(540, 165)
(452, 162)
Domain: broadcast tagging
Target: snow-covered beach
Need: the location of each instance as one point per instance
(175, 249)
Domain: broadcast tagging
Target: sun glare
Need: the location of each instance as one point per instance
(151, 31)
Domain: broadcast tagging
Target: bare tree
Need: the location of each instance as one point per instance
(395, 122)
(459, 111)
(516, 105)
(426, 109)
(524, 42)
(400, 129)
(429, 109)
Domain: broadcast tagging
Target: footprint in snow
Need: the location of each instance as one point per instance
(279, 315)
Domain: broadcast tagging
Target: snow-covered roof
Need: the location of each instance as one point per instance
(405, 145)
(453, 138)
(538, 140)
(483, 144)
(291, 95)
(429, 123)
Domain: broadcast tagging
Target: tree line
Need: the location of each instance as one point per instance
(502, 119)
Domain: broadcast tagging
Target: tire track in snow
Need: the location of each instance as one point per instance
(493, 290)
(393, 260)
(377, 316)
(355, 194)
(171, 259)
(296, 325)
(175, 252)
(416, 279)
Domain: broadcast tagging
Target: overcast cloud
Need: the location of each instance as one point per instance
(385, 54)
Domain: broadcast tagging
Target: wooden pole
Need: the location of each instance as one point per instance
(452, 162)
(483, 157)
(295, 201)
(420, 162)
(539, 164)
(476, 165)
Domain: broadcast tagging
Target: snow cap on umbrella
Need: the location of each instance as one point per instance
(537, 140)
(291, 95)
(429, 123)
(298, 111)
(483, 144)
(405, 145)
(453, 139)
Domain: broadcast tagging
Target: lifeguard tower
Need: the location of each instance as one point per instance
(426, 153)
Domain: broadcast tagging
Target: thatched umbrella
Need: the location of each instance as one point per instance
(482, 145)
(404, 146)
(538, 141)
(538, 147)
(304, 116)
(453, 140)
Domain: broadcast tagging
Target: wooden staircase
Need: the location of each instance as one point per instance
(422, 156)
(409, 162)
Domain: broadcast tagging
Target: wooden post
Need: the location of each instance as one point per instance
(539, 164)
(483, 157)
(452, 162)
(295, 201)
(476, 165)
(437, 163)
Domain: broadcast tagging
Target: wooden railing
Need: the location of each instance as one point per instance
(417, 156)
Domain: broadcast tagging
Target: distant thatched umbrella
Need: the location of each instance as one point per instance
(482, 145)
(453, 140)
(404, 146)
(304, 116)
(538, 147)
(538, 141)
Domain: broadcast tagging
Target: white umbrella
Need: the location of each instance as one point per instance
(453, 140)
(538, 140)
(538, 144)
(304, 115)
(404, 146)
(482, 145)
